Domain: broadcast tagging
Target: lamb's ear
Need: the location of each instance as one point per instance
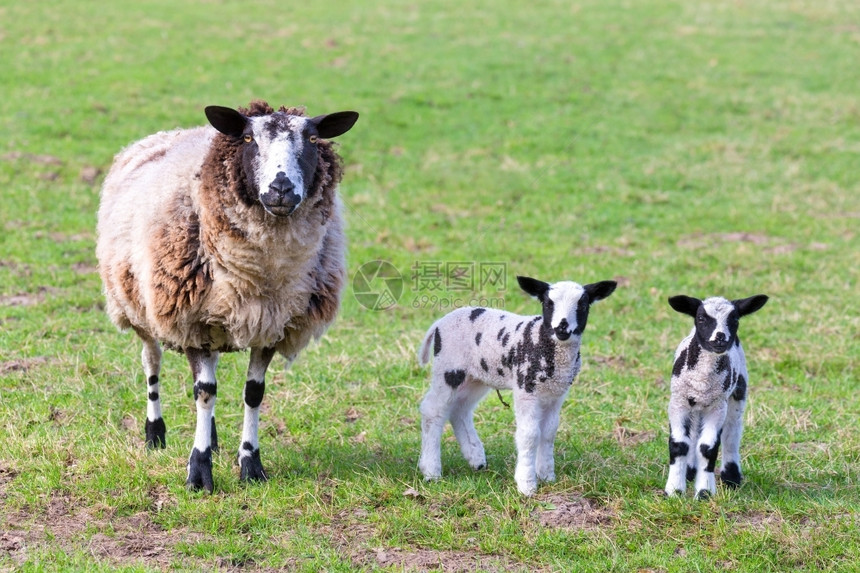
(335, 124)
(599, 291)
(533, 287)
(749, 305)
(685, 304)
(226, 120)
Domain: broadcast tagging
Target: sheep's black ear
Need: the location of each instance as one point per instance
(226, 120)
(685, 304)
(599, 291)
(335, 124)
(534, 287)
(749, 305)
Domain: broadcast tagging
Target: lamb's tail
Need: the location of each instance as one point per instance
(424, 349)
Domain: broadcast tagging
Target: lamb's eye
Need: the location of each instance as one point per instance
(313, 139)
(248, 138)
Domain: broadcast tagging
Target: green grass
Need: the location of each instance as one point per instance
(678, 147)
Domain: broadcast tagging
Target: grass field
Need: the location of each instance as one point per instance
(702, 147)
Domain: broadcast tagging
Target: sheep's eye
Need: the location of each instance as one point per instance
(248, 138)
(313, 139)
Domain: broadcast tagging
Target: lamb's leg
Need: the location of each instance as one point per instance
(435, 411)
(156, 431)
(730, 472)
(548, 429)
(250, 466)
(707, 450)
(528, 413)
(680, 421)
(466, 397)
(203, 363)
(695, 427)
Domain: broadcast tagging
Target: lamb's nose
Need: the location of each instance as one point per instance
(720, 337)
(281, 184)
(561, 331)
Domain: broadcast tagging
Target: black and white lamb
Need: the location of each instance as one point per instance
(709, 390)
(221, 238)
(476, 350)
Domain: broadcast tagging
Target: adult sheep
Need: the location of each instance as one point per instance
(221, 238)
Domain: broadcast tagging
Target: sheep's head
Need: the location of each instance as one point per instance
(566, 304)
(279, 151)
(716, 319)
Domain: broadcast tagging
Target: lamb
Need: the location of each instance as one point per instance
(221, 238)
(476, 350)
(709, 390)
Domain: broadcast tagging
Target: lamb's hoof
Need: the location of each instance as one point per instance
(200, 470)
(528, 488)
(479, 466)
(673, 492)
(250, 466)
(430, 473)
(731, 475)
(703, 494)
(156, 434)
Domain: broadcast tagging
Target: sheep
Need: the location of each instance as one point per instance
(478, 349)
(222, 238)
(708, 394)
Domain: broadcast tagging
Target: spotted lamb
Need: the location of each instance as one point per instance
(221, 238)
(476, 350)
(709, 390)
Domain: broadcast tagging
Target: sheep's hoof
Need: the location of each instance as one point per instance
(731, 475)
(155, 434)
(703, 494)
(200, 470)
(251, 468)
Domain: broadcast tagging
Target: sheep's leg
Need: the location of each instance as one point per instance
(435, 411)
(250, 466)
(155, 429)
(707, 450)
(680, 442)
(730, 472)
(466, 397)
(528, 412)
(203, 364)
(548, 429)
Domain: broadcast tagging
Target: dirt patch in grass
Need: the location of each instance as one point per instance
(434, 560)
(770, 245)
(27, 298)
(67, 526)
(22, 364)
(573, 511)
(354, 536)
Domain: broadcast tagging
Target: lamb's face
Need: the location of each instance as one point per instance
(566, 305)
(717, 324)
(565, 310)
(716, 319)
(279, 152)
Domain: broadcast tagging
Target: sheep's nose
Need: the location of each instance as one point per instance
(282, 184)
(720, 337)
